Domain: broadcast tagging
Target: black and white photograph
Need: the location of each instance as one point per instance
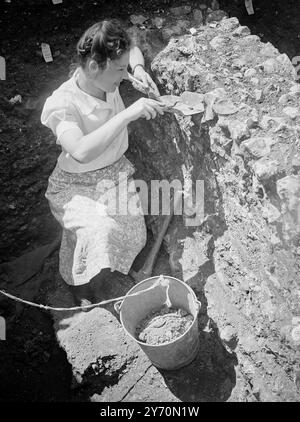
(149, 204)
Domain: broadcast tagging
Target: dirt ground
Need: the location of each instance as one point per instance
(31, 358)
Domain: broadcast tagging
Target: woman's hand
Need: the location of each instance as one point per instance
(143, 76)
(144, 107)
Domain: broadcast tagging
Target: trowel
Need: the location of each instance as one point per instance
(182, 105)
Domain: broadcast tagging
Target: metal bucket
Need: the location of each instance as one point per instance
(174, 354)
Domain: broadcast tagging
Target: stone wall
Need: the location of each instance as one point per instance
(243, 260)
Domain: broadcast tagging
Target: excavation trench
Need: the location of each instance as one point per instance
(242, 258)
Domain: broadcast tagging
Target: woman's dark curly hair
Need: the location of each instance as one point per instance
(104, 40)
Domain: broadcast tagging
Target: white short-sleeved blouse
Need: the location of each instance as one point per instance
(71, 109)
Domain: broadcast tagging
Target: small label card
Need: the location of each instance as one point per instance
(46, 52)
(2, 69)
(249, 7)
(2, 328)
(57, 1)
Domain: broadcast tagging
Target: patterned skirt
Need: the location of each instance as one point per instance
(102, 220)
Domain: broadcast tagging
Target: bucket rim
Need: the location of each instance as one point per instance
(167, 342)
(166, 276)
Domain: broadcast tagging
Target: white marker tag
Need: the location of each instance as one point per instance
(2, 69)
(2, 328)
(57, 1)
(249, 7)
(46, 52)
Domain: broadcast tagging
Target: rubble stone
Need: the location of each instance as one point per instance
(284, 99)
(239, 131)
(270, 66)
(271, 213)
(295, 90)
(216, 16)
(229, 336)
(265, 168)
(267, 121)
(249, 73)
(158, 22)
(258, 147)
(254, 81)
(218, 42)
(215, 5)
(239, 63)
(296, 162)
(286, 64)
(181, 10)
(197, 16)
(292, 112)
(241, 31)
(288, 189)
(296, 321)
(174, 30)
(251, 123)
(137, 19)
(251, 38)
(229, 24)
(296, 334)
(268, 50)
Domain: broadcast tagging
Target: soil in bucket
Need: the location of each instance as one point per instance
(163, 325)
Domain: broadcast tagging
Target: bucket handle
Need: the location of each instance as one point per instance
(198, 304)
(118, 305)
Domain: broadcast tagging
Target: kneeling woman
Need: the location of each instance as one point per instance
(89, 120)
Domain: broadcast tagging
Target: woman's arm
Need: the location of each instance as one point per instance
(86, 148)
(136, 58)
(137, 64)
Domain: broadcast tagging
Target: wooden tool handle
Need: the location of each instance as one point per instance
(150, 261)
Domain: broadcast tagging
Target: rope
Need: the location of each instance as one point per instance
(76, 308)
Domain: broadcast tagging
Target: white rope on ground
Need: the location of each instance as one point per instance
(77, 308)
(74, 308)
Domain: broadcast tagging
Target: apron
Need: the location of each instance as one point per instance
(102, 220)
